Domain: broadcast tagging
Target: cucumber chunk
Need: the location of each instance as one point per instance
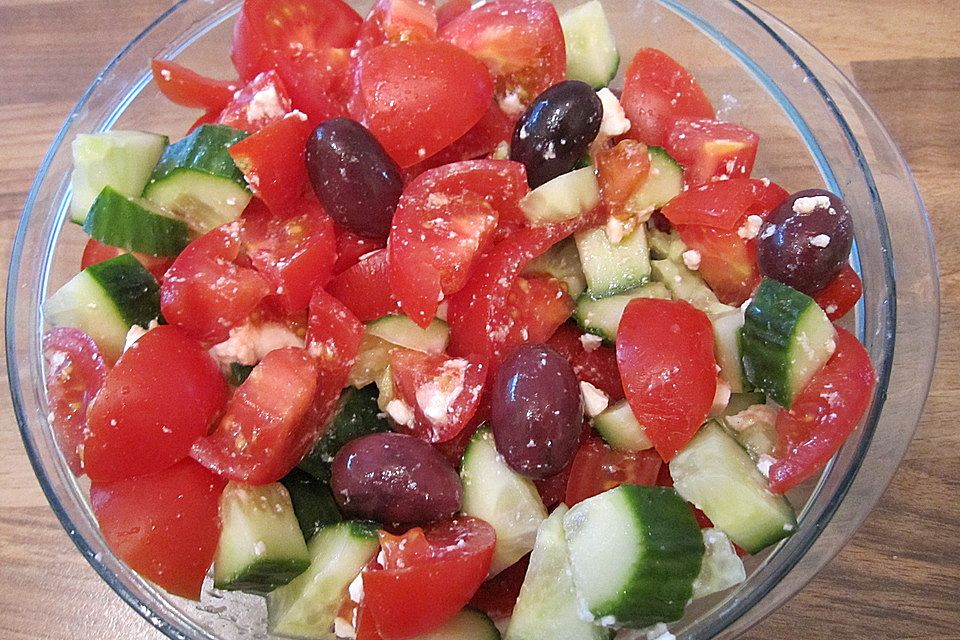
(261, 546)
(592, 54)
(561, 261)
(308, 605)
(401, 331)
(665, 246)
(313, 503)
(123, 160)
(786, 338)
(602, 317)
(620, 429)
(548, 605)
(726, 347)
(635, 552)
(686, 285)
(135, 224)
(105, 300)
(754, 427)
(563, 198)
(197, 180)
(494, 492)
(358, 416)
(718, 476)
(722, 568)
(664, 183)
(613, 268)
(469, 624)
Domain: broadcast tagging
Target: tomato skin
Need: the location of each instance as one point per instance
(721, 205)
(597, 468)
(190, 89)
(317, 82)
(598, 367)
(205, 293)
(842, 294)
(450, 10)
(273, 161)
(824, 415)
(364, 288)
(536, 307)
(426, 587)
(262, 101)
(161, 396)
(351, 247)
(669, 374)
(497, 596)
(520, 42)
(95, 252)
(621, 170)
(657, 90)
(76, 371)
(711, 150)
(418, 97)
(165, 525)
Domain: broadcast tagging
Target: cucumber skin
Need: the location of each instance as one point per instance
(151, 233)
(133, 289)
(204, 150)
(312, 501)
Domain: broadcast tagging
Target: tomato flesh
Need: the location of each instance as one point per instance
(365, 289)
(842, 294)
(262, 101)
(598, 366)
(621, 170)
(711, 150)
(597, 468)
(190, 89)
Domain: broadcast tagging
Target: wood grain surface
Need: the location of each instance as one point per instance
(900, 575)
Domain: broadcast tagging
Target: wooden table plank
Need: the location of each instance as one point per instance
(898, 577)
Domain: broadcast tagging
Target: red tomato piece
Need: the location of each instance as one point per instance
(450, 9)
(423, 588)
(722, 205)
(190, 89)
(454, 449)
(273, 161)
(497, 596)
(364, 288)
(333, 337)
(842, 294)
(205, 293)
(621, 170)
(418, 97)
(824, 415)
(208, 117)
(397, 21)
(161, 396)
(597, 366)
(727, 263)
(711, 150)
(351, 247)
(597, 468)
(669, 374)
(443, 392)
(317, 82)
(165, 525)
(656, 91)
(95, 252)
(536, 307)
(520, 42)
(262, 101)
(76, 372)
(256, 440)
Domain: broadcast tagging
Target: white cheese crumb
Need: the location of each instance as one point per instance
(691, 258)
(595, 401)
(810, 204)
(590, 342)
(754, 414)
(764, 464)
(250, 342)
(617, 229)
(822, 240)
(511, 104)
(259, 548)
(265, 104)
(356, 588)
(399, 411)
(435, 397)
(136, 332)
(751, 227)
(614, 122)
(165, 74)
(831, 309)
(342, 628)
(660, 632)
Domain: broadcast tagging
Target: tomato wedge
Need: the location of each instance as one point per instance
(190, 89)
(497, 596)
(364, 288)
(711, 150)
(351, 247)
(443, 392)
(669, 374)
(425, 584)
(536, 307)
(76, 372)
(318, 82)
(721, 205)
(262, 101)
(165, 525)
(621, 170)
(597, 468)
(842, 294)
(598, 366)
(95, 252)
(161, 396)
(656, 91)
(824, 415)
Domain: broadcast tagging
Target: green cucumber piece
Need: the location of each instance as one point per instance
(602, 317)
(261, 546)
(548, 605)
(358, 416)
(741, 401)
(635, 552)
(469, 624)
(494, 492)
(664, 183)
(665, 246)
(197, 180)
(401, 331)
(105, 300)
(726, 347)
(564, 198)
(592, 55)
(722, 568)
(313, 503)
(786, 338)
(613, 268)
(686, 285)
(239, 373)
(135, 224)
(123, 160)
(718, 476)
(308, 605)
(561, 261)
(620, 429)
(755, 428)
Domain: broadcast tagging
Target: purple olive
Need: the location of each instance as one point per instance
(394, 478)
(536, 413)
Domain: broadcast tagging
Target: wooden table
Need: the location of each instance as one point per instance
(898, 578)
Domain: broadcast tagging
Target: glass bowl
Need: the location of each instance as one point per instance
(816, 129)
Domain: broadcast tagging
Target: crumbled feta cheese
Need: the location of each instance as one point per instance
(660, 632)
(721, 398)
(265, 104)
(590, 342)
(614, 122)
(617, 229)
(250, 342)
(501, 151)
(810, 204)
(751, 227)
(342, 628)
(764, 464)
(399, 411)
(442, 310)
(136, 332)
(259, 548)
(296, 113)
(356, 588)
(436, 396)
(511, 104)
(831, 309)
(595, 401)
(691, 258)
(754, 414)
(165, 74)
(822, 240)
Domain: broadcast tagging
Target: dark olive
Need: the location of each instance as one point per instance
(536, 413)
(806, 240)
(355, 180)
(555, 130)
(394, 478)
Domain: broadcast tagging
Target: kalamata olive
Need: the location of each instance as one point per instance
(536, 414)
(555, 130)
(394, 478)
(806, 240)
(355, 180)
